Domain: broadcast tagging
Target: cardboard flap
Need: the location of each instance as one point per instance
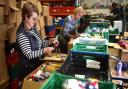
(14, 8)
(39, 7)
(114, 45)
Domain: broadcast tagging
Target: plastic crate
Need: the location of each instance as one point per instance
(90, 45)
(113, 31)
(97, 56)
(90, 48)
(67, 9)
(57, 79)
(76, 63)
(54, 10)
(100, 24)
(98, 32)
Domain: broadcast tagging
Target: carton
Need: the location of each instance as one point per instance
(45, 10)
(41, 22)
(4, 77)
(1, 10)
(39, 7)
(48, 20)
(2, 2)
(1, 19)
(3, 34)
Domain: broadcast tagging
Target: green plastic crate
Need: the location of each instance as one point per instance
(90, 48)
(100, 24)
(56, 80)
(114, 31)
(101, 32)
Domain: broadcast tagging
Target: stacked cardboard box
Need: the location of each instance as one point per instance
(4, 78)
(48, 22)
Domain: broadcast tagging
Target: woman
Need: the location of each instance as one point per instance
(71, 24)
(31, 47)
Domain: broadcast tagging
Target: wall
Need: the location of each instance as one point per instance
(104, 2)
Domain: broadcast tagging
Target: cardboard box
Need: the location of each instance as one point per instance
(39, 7)
(48, 20)
(10, 6)
(1, 19)
(41, 22)
(42, 33)
(18, 19)
(114, 49)
(2, 2)
(28, 84)
(124, 55)
(11, 33)
(56, 57)
(3, 66)
(125, 34)
(10, 12)
(4, 84)
(3, 33)
(1, 10)
(33, 1)
(45, 10)
(21, 3)
(11, 18)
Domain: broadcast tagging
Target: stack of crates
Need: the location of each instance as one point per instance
(85, 49)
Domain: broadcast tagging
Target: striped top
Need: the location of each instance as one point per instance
(26, 45)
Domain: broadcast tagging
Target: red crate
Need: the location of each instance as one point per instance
(54, 9)
(68, 9)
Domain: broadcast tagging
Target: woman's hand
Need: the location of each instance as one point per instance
(56, 43)
(48, 50)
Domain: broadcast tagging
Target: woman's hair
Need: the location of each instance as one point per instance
(78, 10)
(27, 10)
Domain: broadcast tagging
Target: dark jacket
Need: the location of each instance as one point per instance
(26, 65)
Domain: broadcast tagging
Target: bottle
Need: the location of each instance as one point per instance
(119, 69)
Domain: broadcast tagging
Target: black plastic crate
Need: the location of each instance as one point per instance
(73, 67)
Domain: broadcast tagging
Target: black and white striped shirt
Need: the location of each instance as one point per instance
(25, 45)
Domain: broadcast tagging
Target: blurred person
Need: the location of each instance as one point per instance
(71, 24)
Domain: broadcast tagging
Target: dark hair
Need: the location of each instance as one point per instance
(27, 10)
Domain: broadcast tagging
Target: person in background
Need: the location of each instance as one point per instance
(30, 46)
(70, 28)
(115, 11)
